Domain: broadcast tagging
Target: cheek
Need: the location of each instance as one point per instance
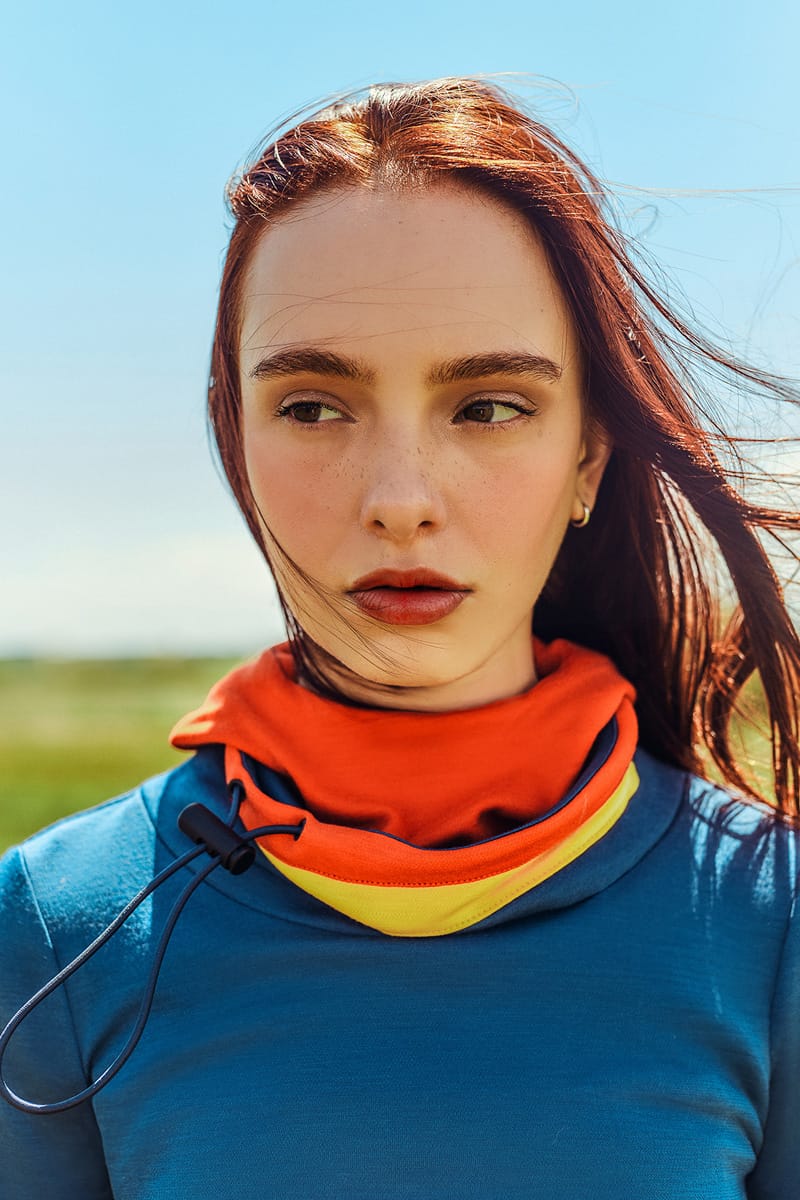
(523, 513)
(300, 497)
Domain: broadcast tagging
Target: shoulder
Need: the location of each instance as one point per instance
(88, 864)
(728, 876)
(730, 845)
(740, 834)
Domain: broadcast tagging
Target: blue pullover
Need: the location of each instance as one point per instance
(628, 1029)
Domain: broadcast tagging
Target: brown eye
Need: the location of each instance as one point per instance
(490, 412)
(481, 410)
(308, 412)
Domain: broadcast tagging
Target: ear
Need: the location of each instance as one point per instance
(596, 447)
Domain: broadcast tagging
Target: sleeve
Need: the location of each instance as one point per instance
(59, 1155)
(776, 1175)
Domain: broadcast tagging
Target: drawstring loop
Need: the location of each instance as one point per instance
(228, 849)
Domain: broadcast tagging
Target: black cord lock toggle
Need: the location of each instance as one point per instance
(203, 826)
(226, 849)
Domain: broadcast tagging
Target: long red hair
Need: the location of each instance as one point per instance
(640, 584)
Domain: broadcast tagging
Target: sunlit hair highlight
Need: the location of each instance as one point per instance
(642, 582)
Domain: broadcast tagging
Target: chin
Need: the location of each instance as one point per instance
(417, 673)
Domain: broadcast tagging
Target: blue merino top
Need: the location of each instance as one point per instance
(630, 1027)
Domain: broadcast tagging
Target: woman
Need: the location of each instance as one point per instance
(502, 938)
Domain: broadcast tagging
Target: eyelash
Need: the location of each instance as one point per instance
(287, 410)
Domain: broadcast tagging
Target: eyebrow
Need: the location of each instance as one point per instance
(311, 360)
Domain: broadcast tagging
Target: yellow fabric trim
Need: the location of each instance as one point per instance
(432, 911)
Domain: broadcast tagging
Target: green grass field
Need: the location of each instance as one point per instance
(73, 734)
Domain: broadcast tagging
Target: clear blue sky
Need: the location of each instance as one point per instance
(122, 126)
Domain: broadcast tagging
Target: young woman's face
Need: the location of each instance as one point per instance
(411, 398)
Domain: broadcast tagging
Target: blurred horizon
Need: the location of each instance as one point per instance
(121, 538)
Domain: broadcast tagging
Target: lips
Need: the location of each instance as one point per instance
(416, 597)
(416, 577)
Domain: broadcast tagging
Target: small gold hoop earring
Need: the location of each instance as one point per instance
(584, 520)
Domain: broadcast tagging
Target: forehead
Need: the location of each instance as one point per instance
(390, 271)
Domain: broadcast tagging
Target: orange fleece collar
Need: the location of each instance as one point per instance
(432, 779)
(422, 824)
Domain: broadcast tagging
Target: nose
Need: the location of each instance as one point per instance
(402, 498)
